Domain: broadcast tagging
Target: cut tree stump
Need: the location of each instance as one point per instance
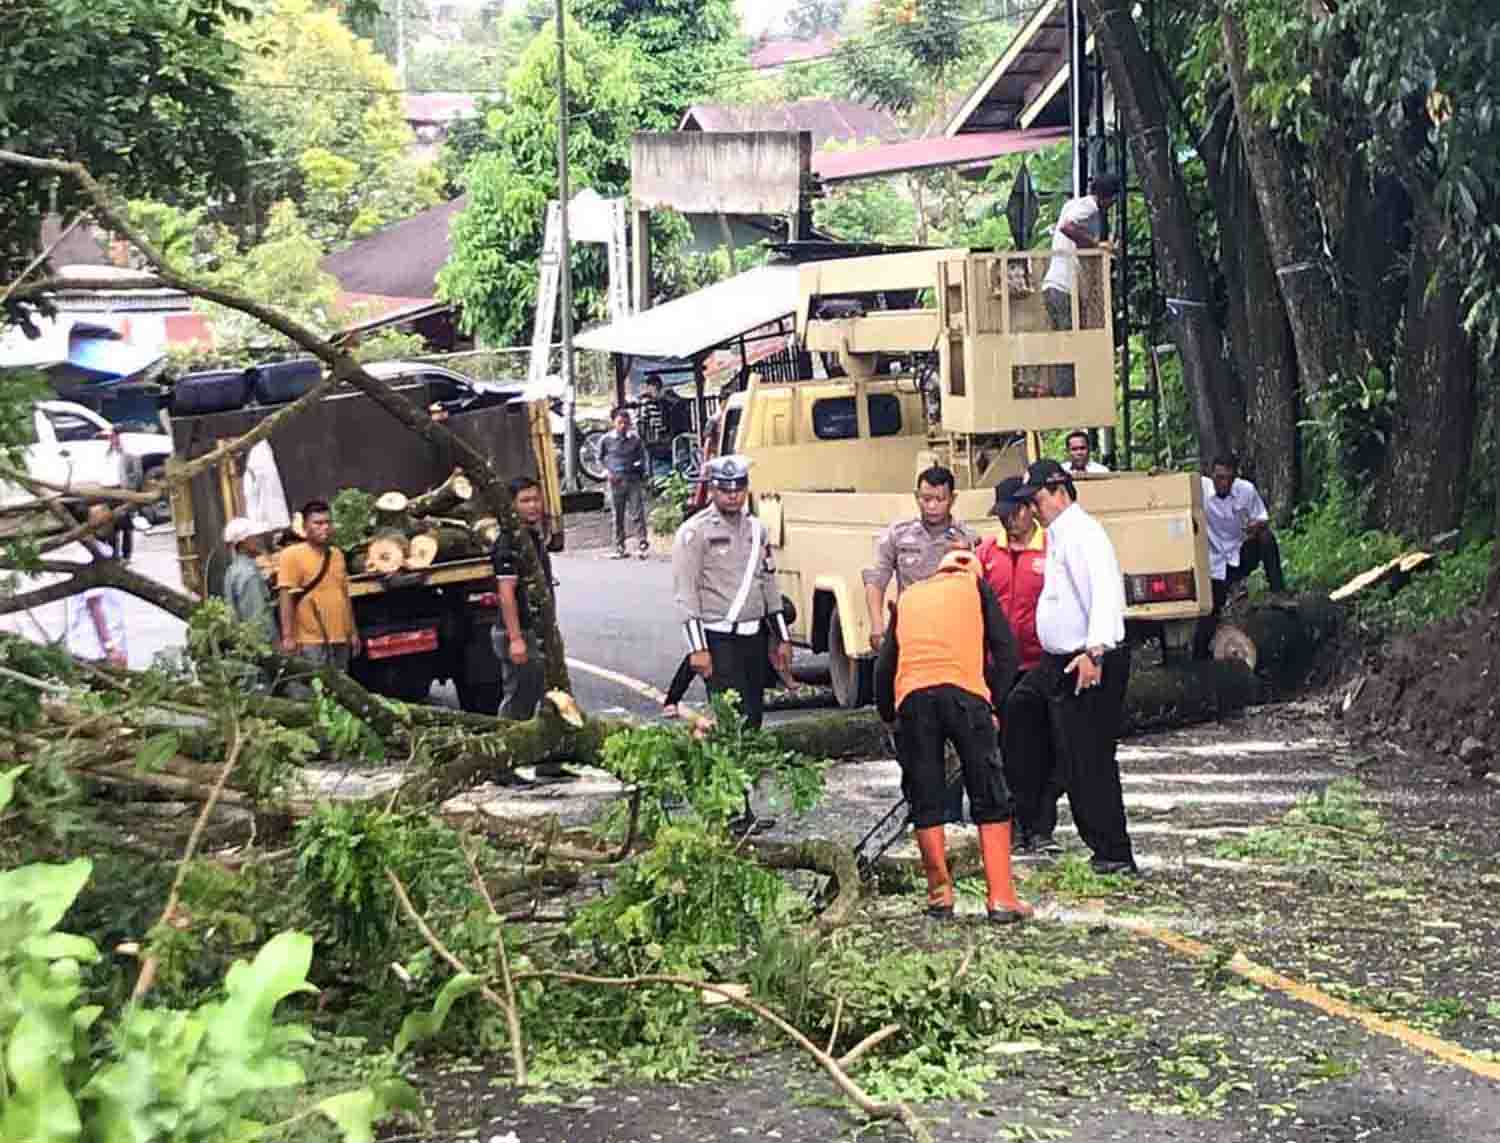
(422, 551)
(387, 553)
(445, 498)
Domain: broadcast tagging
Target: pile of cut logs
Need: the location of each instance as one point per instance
(407, 532)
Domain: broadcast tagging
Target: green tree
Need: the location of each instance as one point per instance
(329, 107)
(497, 239)
(909, 51)
(689, 51)
(140, 92)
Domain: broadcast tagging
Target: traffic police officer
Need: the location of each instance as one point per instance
(910, 550)
(726, 590)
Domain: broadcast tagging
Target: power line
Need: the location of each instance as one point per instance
(897, 37)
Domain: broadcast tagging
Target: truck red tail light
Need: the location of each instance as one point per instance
(484, 599)
(398, 643)
(1160, 587)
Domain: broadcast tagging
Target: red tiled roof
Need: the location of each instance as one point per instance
(436, 106)
(828, 120)
(775, 53)
(919, 154)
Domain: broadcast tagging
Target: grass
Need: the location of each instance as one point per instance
(1334, 825)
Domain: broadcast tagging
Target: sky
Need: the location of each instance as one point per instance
(759, 15)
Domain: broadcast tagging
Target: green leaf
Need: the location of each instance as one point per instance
(49, 889)
(60, 946)
(424, 1025)
(156, 752)
(8, 784)
(355, 1113)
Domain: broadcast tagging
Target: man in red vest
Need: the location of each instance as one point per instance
(947, 658)
(1015, 571)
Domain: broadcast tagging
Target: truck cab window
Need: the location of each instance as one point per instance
(71, 427)
(834, 417)
(731, 427)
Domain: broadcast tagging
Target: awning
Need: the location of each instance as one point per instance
(716, 315)
(920, 154)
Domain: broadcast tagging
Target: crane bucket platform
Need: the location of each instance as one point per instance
(1012, 355)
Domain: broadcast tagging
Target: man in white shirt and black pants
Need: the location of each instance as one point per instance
(1085, 666)
(1239, 541)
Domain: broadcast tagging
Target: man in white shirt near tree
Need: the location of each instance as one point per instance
(1080, 226)
(1080, 622)
(1239, 541)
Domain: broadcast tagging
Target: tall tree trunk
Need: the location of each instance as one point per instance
(1195, 330)
(1293, 230)
(1260, 336)
(1426, 470)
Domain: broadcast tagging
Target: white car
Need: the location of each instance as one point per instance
(73, 445)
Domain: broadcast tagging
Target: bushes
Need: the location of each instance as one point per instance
(1327, 546)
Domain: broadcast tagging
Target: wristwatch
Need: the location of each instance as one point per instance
(1095, 657)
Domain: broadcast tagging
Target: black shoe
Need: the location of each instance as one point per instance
(1021, 842)
(939, 912)
(555, 772)
(1114, 868)
(513, 780)
(1006, 917)
(1045, 843)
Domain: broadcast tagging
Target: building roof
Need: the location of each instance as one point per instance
(400, 261)
(1027, 85)
(778, 53)
(828, 120)
(688, 326)
(920, 154)
(78, 248)
(436, 106)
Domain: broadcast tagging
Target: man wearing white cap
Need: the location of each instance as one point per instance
(245, 587)
(726, 591)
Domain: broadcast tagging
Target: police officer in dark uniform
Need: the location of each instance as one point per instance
(726, 590)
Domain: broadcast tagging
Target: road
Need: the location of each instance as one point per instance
(617, 616)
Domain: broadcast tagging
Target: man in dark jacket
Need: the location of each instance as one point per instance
(946, 660)
(623, 456)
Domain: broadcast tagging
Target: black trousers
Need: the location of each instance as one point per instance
(681, 681)
(740, 664)
(1031, 768)
(1258, 551)
(1044, 718)
(932, 717)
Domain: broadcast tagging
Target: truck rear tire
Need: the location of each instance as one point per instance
(853, 679)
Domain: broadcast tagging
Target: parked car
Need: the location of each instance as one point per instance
(73, 445)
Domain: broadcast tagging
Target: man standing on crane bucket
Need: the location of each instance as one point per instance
(1080, 226)
(945, 663)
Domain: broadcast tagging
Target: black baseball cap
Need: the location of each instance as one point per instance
(1005, 495)
(1041, 474)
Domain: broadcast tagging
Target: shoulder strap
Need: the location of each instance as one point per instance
(307, 589)
(757, 552)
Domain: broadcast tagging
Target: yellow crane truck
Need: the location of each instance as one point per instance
(836, 458)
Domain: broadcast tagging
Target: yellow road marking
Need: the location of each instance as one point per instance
(1242, 966)
(645, 690)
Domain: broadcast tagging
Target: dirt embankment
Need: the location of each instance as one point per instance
(1436, 693)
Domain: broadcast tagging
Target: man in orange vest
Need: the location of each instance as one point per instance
(1015, 568)
(947, 658)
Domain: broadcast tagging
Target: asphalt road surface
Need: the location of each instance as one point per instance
(618, 621)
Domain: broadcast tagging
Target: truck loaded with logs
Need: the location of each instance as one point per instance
(415, 536)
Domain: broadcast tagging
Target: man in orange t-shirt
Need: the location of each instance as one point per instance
(317, 617)
(948, 651)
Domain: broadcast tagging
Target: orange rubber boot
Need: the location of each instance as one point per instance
(1005, 907)
(932, 843)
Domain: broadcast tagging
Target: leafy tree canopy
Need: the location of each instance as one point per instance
(689, 51)
(328, 105)
(141, 92)
(498, 238)
(909, 50)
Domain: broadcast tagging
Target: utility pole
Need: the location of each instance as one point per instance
(401, 42)
(565, 271)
